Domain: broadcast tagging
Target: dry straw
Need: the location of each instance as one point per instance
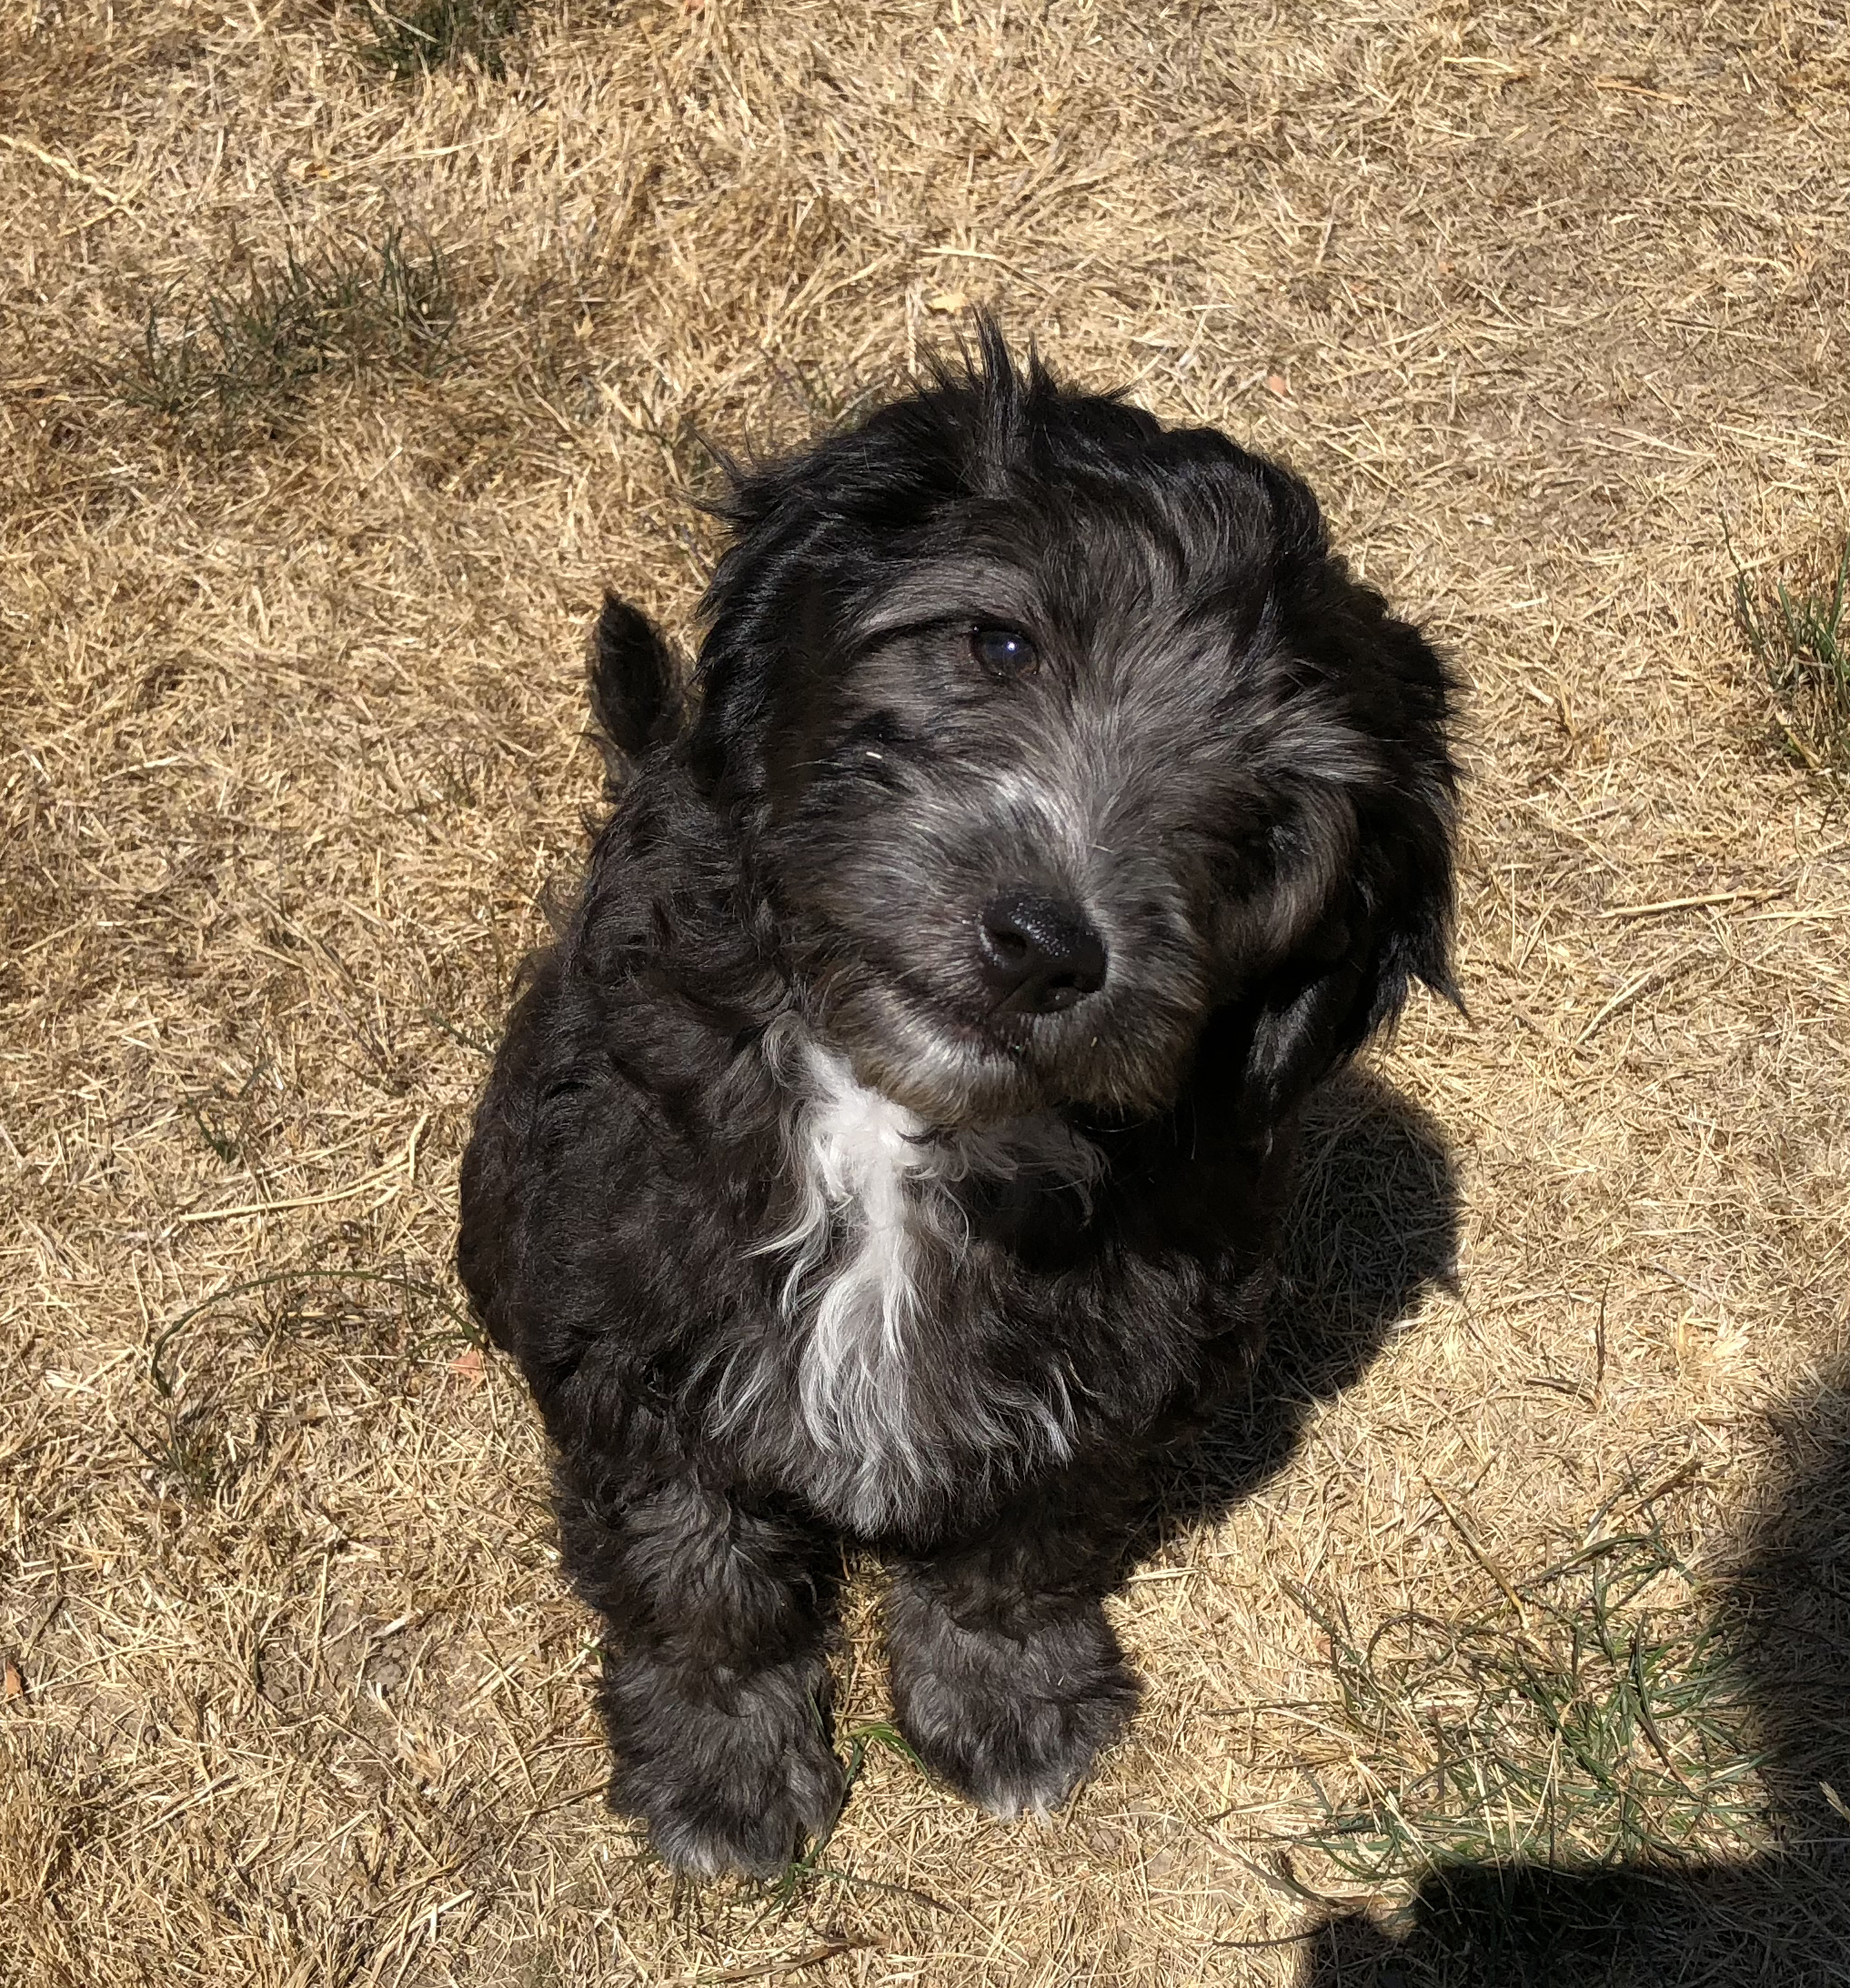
(334, 383)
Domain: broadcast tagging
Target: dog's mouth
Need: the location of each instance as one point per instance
(962, 1067)
(1029, 1040)
(1011, 1036)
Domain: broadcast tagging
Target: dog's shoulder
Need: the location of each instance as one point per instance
(625, 1105)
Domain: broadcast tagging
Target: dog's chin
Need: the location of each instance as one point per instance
(965, 1087)
(962, 1075)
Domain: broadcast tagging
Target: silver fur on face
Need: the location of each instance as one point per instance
(1150, 772)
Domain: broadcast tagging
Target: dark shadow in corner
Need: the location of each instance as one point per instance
(1778, 1921)
(1372, 1226)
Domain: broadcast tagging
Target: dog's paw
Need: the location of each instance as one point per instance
(1013, 1722)
(752, 1823)
(732, 1787)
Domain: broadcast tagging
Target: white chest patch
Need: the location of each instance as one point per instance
(858, 1157)
(872, 1181)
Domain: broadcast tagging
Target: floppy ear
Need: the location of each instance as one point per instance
(749, 610)
(794, 528)
(636, 699)
(1390, 921)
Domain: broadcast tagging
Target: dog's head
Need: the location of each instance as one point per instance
(1057, 738)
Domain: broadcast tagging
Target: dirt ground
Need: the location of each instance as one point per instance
(332, 396)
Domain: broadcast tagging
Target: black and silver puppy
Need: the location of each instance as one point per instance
(891, 1147)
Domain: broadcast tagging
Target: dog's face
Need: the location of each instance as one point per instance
(1058, 736)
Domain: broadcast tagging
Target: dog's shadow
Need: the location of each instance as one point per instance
(1373, 1226)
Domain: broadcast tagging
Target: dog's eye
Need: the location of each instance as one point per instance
(1003, 652)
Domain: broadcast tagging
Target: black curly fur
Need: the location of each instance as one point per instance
(1234, 761)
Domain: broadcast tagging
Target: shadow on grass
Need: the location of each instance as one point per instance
(1373, 1226)
(1781, 1918)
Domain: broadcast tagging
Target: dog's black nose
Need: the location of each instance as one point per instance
(1039, 956)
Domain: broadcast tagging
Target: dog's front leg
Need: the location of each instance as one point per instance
(1007, 1679)
(716, 1686)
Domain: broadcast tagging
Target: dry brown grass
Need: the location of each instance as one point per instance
(292, 739)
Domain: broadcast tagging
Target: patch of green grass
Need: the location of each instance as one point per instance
(219, 1114)
(1800, 640)
(406, 37)
(187, 1453)
(810, 1866)
(413, 1292)
(245, 349)
(210, 1124)
(1584, 1719)
(807, 1873)
(230, 1366)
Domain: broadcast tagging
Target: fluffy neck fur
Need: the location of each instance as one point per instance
(876, 1225)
